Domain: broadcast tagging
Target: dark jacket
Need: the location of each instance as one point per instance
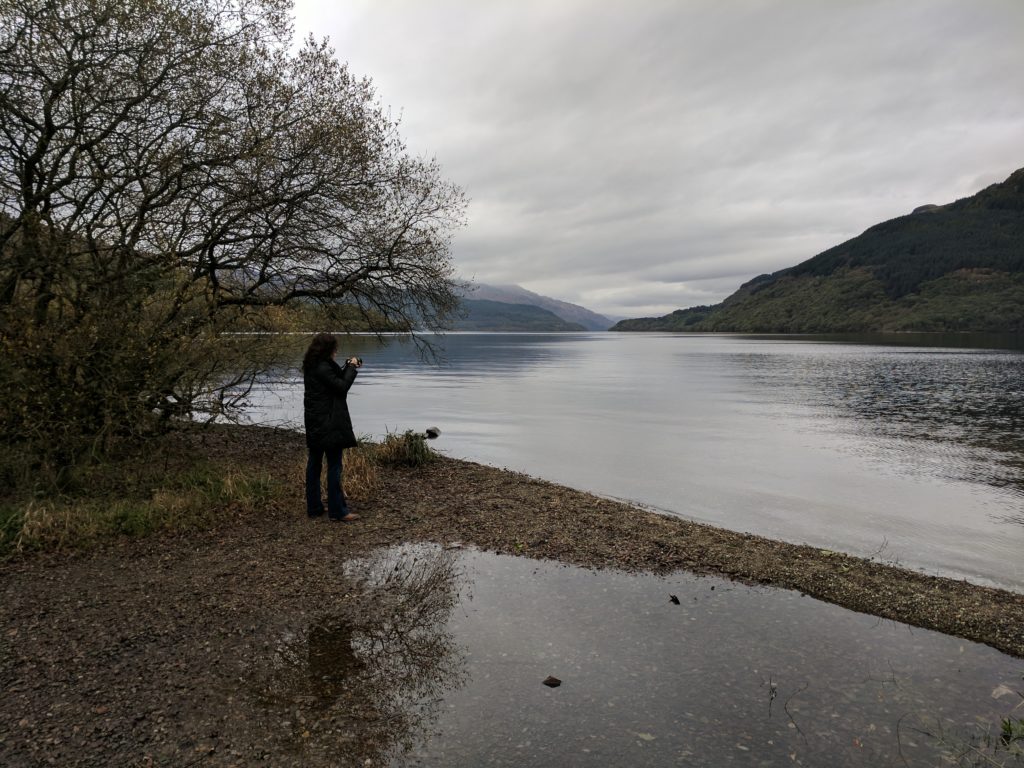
(328, 424)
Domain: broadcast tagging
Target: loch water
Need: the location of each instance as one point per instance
(731, 676)
(904, 449)
(441, 656)
(909, 449)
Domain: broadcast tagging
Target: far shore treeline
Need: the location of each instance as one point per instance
(173, 173)
(956, 267)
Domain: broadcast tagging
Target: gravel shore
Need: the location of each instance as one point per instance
(135, 653)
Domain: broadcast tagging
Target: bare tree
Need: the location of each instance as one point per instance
(168, 170)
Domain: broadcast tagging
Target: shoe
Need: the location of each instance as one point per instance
(350, 517)
(312, 515)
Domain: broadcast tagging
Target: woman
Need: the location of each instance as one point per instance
(328, 425)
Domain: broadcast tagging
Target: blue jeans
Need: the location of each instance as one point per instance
(336, 505)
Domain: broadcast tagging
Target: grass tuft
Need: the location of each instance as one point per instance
(360, 474)
(409, 449)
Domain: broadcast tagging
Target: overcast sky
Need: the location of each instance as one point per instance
(638, 157)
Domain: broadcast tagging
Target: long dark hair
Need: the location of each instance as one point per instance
(321, 348)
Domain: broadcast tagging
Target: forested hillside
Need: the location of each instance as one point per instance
(484, 315)
(515, 294)
(955, 267)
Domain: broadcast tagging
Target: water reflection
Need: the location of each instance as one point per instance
(955, 414)
(362, 682)
(990, 341)
(331, 660)
(488, 353)
(732, 675)
(462, 354)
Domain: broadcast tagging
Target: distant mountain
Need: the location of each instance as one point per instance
(954, 267)
(486, 315)
(514, 294)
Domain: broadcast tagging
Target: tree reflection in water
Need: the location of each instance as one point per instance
(363, 681)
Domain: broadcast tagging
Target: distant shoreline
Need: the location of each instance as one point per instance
(1016, 337)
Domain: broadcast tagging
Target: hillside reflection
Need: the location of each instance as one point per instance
(362, 683)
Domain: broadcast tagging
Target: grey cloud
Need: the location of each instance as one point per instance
(642, 155)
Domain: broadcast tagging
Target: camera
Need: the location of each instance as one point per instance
(356, 361)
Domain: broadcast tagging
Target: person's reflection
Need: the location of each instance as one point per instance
(332, 660)
(368, 679)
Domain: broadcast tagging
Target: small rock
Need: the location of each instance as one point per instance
(552, 682)
(674, 599)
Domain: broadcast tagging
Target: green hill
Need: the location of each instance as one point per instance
(486, 315)
(955, 267)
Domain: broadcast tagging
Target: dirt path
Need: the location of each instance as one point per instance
(153, 652)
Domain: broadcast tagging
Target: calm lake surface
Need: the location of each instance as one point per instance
(733, 675)
(453, 657)
(910, 452)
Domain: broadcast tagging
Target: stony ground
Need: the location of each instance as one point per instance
(152, 652)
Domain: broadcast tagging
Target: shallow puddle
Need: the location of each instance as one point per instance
(451, 671)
